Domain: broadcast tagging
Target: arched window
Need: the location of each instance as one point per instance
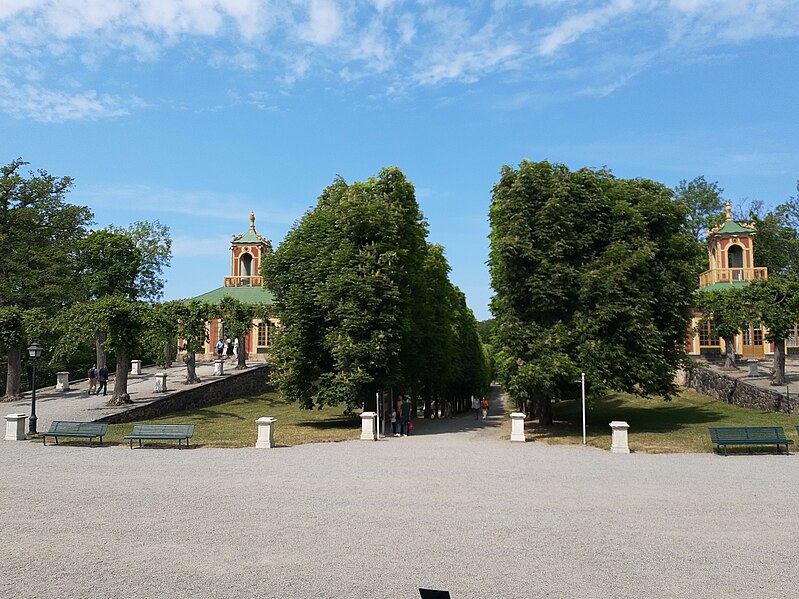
(735, 257)
(245, 265)
(735, 261)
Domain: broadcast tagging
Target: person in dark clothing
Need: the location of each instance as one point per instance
(102, 376)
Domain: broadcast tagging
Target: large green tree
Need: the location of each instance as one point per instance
(39, 233)
(703, 202)
(348, 283)
(591, 273)
(154, 245)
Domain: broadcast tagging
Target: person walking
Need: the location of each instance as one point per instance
(394, 422)
(102, 376)
(405, 416)
(220, 348)
(476, 407)
(92, 373)
(484, 407)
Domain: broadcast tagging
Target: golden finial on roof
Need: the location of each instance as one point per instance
(728, 208)
(252, 219)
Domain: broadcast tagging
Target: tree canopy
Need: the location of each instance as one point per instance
(354, 283)
(591, 273)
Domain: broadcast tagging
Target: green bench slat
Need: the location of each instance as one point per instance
(750, 435)
(175, 432)
(69, 428)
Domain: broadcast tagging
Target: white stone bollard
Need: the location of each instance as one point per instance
(15, 427)
(266, 433)
(135, 366)
(752, 367)
(160, 382)
(517, 427)
(62, 381)
(219, 367)
(619, 440)
(368, 422)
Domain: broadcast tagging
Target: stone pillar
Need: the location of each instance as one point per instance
(160, 382)
(266, 433)
(135, 366)
(62, 381)
(752, 367)
(368, 421)
(15, 427)
(517, 427)
(219, 368)
(619, 440)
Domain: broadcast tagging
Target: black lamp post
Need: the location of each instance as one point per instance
(35, 352)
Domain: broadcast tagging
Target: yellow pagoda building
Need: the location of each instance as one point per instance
(246, 285)
(730, 247)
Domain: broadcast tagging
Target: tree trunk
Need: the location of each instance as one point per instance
(13, 375)
(99, 347)
(543, 409)
(168, 353)
(120, 396)
(191, 369)
(729, 343)
(779, 363)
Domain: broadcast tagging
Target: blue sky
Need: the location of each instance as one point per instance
(194, 112)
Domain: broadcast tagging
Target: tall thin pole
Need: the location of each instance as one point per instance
(32, 419)
(377, 405)
(582, 381)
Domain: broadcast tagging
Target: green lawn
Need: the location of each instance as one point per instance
(232, 424)
(656, 426)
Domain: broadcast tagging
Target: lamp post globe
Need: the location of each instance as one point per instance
(35, 352)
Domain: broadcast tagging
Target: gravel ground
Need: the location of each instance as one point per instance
(461, 511)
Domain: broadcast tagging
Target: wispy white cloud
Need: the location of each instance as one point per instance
(36, 103)
(324, 22)
(198, 204)
(399, 45)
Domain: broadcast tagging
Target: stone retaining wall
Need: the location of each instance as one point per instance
(739, 393)
(253, 381)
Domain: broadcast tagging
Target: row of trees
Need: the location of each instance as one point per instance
(70, 286)
(365, 303)
(131, 326)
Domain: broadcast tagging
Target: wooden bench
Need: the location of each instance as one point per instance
(750, 435)
(67, 428)
(174, 432)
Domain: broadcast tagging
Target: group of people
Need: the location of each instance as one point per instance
(401, 424)
(225, 348)
(478, 406)
(98, 379)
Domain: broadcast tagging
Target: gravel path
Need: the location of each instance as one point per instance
(460, 511)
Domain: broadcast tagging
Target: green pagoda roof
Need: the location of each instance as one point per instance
(246, 295)
(730, 227)
(251, 237)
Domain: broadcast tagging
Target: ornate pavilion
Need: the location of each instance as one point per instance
(246, 285)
